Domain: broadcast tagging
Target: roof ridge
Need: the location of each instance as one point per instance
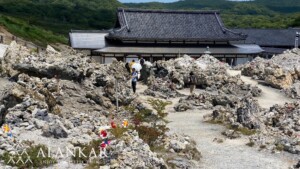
(120, 9)
(231, 31)
(88, 31)
(266, 28)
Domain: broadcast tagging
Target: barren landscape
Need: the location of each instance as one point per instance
(246, 117)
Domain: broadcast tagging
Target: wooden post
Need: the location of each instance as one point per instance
(116, 93)
(151, 58)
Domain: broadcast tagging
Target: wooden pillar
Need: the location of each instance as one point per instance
(151, 58)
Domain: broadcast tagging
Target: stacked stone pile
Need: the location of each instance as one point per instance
(281, 72)
(64, 98)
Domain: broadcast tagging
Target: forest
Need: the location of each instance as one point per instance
(58, 17)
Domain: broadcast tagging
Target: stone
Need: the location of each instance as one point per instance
(176, 145)
(57, 130)
(41, 114)
(29, 127)
(39, 124)
(24, 124)
(181, 163)
(231, 134)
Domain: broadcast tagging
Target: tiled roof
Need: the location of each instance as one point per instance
(271, 37)
(151, 25)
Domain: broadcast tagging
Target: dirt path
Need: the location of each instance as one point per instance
(231, 154)
(269, 97)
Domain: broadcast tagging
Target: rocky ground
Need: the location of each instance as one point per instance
(59, 101)
(62, 100)
(281, 72)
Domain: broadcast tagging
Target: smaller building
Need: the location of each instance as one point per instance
(272, 41)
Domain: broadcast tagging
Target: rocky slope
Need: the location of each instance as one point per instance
(64, 100)
(282, 71)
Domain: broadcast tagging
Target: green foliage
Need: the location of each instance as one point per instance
(243, 130)
(258, 21)
(250, 144)
(61, 16)
(38, 161)
(254, 14)
(87, 149)
(159, 106)
(214, 121)
(279, 147)
(94, 164)
(149, 134)
(118, 131)
(262, 147)
(31, 33)
(296, 22)
(129, 108)
(143, 115)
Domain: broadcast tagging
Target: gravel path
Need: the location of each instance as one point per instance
(269, 97)
(231, 154)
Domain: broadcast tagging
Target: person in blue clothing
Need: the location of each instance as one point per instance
(134, 78)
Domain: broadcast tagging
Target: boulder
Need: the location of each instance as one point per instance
(56, 130)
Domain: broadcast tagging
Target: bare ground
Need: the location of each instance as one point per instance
(269, 97)
(231, 154)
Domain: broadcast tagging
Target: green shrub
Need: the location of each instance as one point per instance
(29, 32)
(246, 131)
(118, 131)
(159, 106)
(143, 115)
(149, 134)
(243, 130)
(250, 144)
(262, 146)
(214, 121)
(279, 147)
(95, 164)
(34, 153)
(86, 150)
(129, 108)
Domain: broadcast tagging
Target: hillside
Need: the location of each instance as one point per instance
(16, 27)
(49, 21)
(254, 14)
(61, 16)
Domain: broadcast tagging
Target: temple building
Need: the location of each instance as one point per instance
(165, 34)
(272, 41)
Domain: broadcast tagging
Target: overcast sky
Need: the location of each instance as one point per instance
(138, 1)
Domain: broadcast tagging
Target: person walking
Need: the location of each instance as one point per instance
(127, 67)
(134, 78)
(142, 61)
(192, 80)
(131, 64)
